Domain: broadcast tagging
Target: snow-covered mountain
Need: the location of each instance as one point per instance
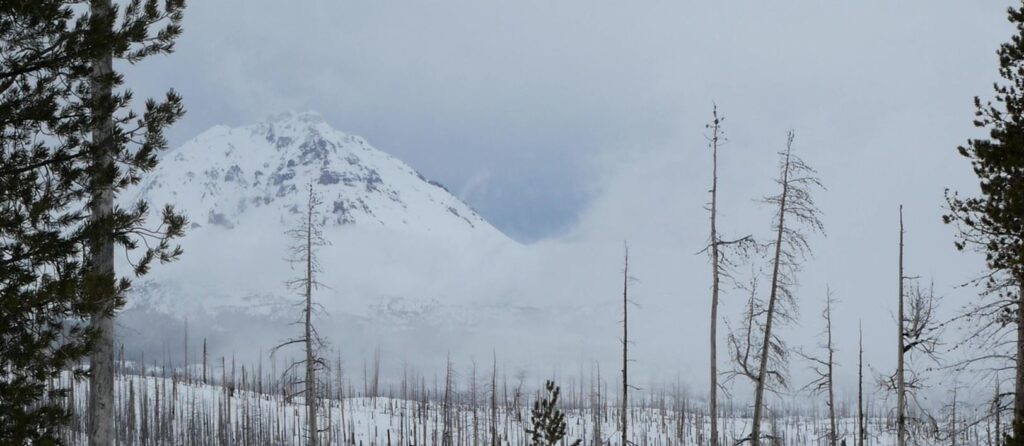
(409, 268)
(228, 177)
(400, 246)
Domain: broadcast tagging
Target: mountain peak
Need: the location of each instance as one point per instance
(229, 177)
(308, 116)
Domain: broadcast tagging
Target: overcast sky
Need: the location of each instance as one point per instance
(567, 121)
(509, 103)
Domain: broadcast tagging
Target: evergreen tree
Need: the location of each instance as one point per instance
(993, 223)
(547, 420)
(52, 100)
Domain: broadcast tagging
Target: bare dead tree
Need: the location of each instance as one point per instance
(921, 343)
(720, 266)
(823, 366)
(625, 346)
(626, 279)
(596, 406)
(204, 360)
(185, 344)
(861, 428)
(918, 337)
(901, 389)
(996, 410)
(744, 340)
(715, 139)
(494, 400)
(953, 426)
(308, 237)
(472, 404)
(449, 383)
(953, 429)
(796, 216)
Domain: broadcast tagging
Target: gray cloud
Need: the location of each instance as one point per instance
(584, 119)
(532, 90)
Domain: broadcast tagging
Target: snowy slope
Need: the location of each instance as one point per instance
(410, 269)
(395, 236)
(225, 174)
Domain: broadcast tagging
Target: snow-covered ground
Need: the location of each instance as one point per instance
(154, 411)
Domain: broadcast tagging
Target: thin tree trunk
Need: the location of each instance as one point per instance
(446, 428)
(187, 376)
(996, 409)
(713, 387)
(953, 421)
(625, 349)
(755, 432)
(901, 421)
(860, 388)
(831, 363)
(101, 253)
(310, 359)
(494, 401)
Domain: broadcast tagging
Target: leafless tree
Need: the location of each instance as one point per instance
(626, 279)
(743, 340)
(719, 266)
(796, 216)
(861, 428)
(952, 431)
(996, 411)
(473, 405)
(901, 393)
(918, 337)
(920, 342)
(308, 237)
(204, 360)
(494, 400)
(715, 139)
(446, 423)
(823, 367)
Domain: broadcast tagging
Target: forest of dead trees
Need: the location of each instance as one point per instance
(222, 402)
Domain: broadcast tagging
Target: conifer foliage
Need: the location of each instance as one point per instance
(993, 223)
(547, 420)
(59, 114)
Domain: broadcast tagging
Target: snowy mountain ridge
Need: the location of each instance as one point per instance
(394, 235)
(226, 176)
(408, 268)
